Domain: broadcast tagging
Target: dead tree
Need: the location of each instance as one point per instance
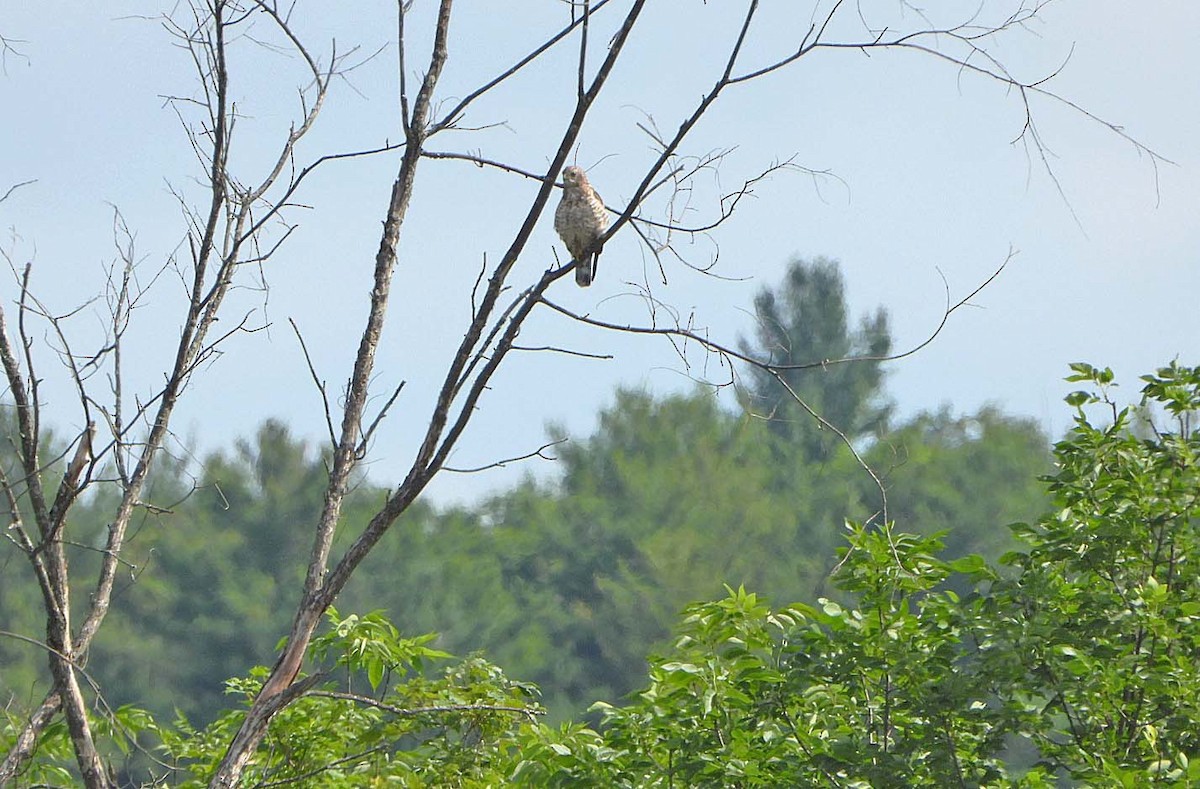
(227, 237)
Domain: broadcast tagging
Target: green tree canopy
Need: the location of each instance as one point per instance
(804, 322)
(955, 474)
(1082, 644)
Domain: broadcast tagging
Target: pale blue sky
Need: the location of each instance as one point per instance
(932, 184)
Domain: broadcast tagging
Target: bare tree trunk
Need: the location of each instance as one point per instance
(279, 689)
(320, 591)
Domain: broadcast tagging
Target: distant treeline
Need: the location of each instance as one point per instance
(568, 584)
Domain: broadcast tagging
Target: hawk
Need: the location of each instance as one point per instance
(580, 221)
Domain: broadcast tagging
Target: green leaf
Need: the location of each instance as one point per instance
(375, 673)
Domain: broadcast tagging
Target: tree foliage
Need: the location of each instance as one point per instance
(802, 325)
(1104, 612)
(1081, 644)
(962, 474)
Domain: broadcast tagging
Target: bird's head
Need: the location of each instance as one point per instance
(574, 176)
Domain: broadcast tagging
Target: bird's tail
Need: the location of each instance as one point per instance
(585, 270)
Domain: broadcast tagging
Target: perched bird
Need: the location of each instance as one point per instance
(580, 220)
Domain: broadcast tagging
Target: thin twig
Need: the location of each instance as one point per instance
(538, 453)
(408, 712)
(15, 187)
(317, 381)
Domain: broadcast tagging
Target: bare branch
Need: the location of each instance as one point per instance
(540, 452)
(320, 384)
(8, 47)
(383, 412)
(409, 712)
(15, 187)
(481, 161)
(455, 113)
(567, 351)
(26, 742)
(401, 10)
(69, 488)
(583, 40)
